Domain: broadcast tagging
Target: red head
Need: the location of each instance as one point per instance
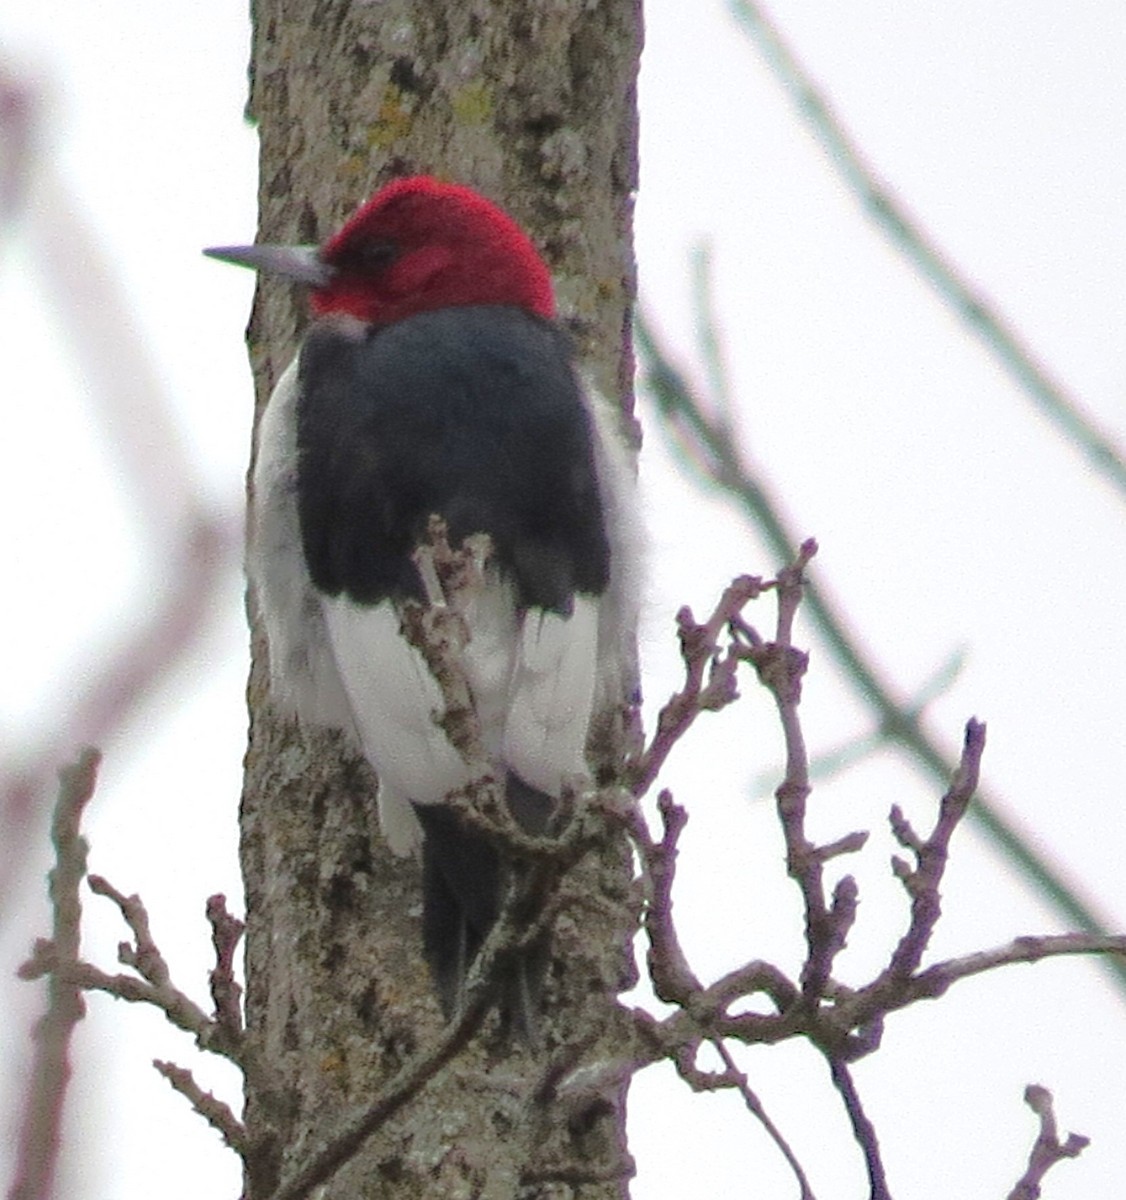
(419, 244)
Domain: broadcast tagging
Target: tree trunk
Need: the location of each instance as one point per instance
(533, 103)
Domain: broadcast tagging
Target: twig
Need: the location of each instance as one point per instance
(862, 1129)
(845, 1024)
(69, 976)
(672, 977)
(709, 678)
(781, 666)
(754, 1106)
(154, 986)
(923, 883)
(1047, 1150)
(879, 202)
(834, 760)
(710, 342)
(217, 1114)
(937, 979)
(437, 629)
(38, 1147)
(226, 933)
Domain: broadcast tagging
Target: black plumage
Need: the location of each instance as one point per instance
(473, 414)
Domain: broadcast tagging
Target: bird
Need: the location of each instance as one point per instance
(435, 381)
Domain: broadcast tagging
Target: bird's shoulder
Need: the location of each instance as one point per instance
(495, 357)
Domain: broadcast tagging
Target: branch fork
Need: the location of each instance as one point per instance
(844, 1023)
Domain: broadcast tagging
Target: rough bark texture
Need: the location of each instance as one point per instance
(533, 103)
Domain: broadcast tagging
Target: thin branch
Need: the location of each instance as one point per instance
(754, 1107)
(154, 985)
(828, 763)
(217, 1114)
(179, 1009)
(39, 1136)
(925, 881)
(438, 630)
(1047, 1150)
(710, 342)
(709, 678)
(781, 667)
(686, 419)
(845, 1024)
(69, 976)
(937, 979)
(878, 200)
(673, 979)
(862, 1129)
(226, 933)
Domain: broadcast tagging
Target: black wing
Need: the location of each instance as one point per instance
(473, 414)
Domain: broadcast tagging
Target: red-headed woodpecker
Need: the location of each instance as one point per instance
(434, 381)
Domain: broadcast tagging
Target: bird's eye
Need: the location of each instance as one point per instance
(367, 258)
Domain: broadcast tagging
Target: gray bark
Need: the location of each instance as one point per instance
(533, 103)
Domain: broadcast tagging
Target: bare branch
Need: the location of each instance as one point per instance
(217, 1114)
(687, 420)
(438, 630)
(862, 1129)
(834, 760)
(226, 933)
(179, 1008)
(673, 979)
(38, 1146)
(222, 1035)
(144, 955)
(710, 342)
(1047, 1150)
(781, 667)
(709, 678)
(924, 882)
(879, 202)
(936, 980)
(845, 1024)
(754, 1107)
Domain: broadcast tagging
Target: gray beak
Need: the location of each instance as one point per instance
(302, 264)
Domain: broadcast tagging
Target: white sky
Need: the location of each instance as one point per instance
(949, 516)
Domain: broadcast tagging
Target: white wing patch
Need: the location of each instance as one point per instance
(304, 681)
(551, 695)
(619, 605)
(394, 701)
(533, 686)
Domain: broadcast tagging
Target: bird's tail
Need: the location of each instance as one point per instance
(463, 881)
